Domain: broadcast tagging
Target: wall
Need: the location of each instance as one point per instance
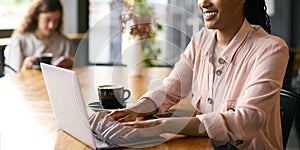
(295, 34)
(76, 21)
(70, 15)
(281, 20)
(286, 21)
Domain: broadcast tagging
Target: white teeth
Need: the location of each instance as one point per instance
(208, 14)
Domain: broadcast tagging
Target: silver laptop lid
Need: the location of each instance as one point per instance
(67, 102)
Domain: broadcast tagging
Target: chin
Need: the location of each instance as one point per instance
(211, 25)
(48, 33)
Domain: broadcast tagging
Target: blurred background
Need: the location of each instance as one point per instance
(93, 26)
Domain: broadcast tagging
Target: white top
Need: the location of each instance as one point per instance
(27, 44)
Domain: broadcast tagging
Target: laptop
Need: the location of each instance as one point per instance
(70, 110)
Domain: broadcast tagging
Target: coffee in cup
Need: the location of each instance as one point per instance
(44, 58)
(113, 96)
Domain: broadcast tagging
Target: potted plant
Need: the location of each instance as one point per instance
(139, 20)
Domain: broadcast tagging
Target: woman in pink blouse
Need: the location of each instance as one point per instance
(234, 68)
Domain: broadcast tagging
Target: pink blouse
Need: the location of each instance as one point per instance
(240, 99)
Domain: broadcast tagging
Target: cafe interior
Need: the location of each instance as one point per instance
(102, 56)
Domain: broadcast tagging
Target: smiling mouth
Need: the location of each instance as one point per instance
(208, 15)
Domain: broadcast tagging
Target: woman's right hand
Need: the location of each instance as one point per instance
(120, 115)
(123, 115)
(143, 107)
(27, 63)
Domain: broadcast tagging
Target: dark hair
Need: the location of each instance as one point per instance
(30, 22)
(255, 12)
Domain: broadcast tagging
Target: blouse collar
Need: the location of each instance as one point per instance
(234, 44)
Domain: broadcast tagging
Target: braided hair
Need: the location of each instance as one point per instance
(255, 12)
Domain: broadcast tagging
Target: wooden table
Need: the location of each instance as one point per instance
(27, 120)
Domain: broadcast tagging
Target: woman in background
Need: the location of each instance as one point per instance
(234, 68)
(40, 32)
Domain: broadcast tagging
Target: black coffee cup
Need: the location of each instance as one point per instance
(112, 96)
(44, 58)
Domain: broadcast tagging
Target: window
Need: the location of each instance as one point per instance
(180, 20)
(99, 31)
(12, 13)
(270, 7)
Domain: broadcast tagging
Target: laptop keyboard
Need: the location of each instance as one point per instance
(100, 139)
(121, 142)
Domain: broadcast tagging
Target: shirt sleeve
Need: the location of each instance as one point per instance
(260, 99)
(177, 85)
(13, 54)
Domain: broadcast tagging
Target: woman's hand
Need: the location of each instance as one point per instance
(130, 130)
(143, 107)
(104, 122)
(153, 127)
(27, 63)
(102, 119)
(96, 118)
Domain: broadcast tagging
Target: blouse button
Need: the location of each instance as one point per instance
(219, 72)
(231, 109)
(221, 61)
(210, 101)
(239, 142)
